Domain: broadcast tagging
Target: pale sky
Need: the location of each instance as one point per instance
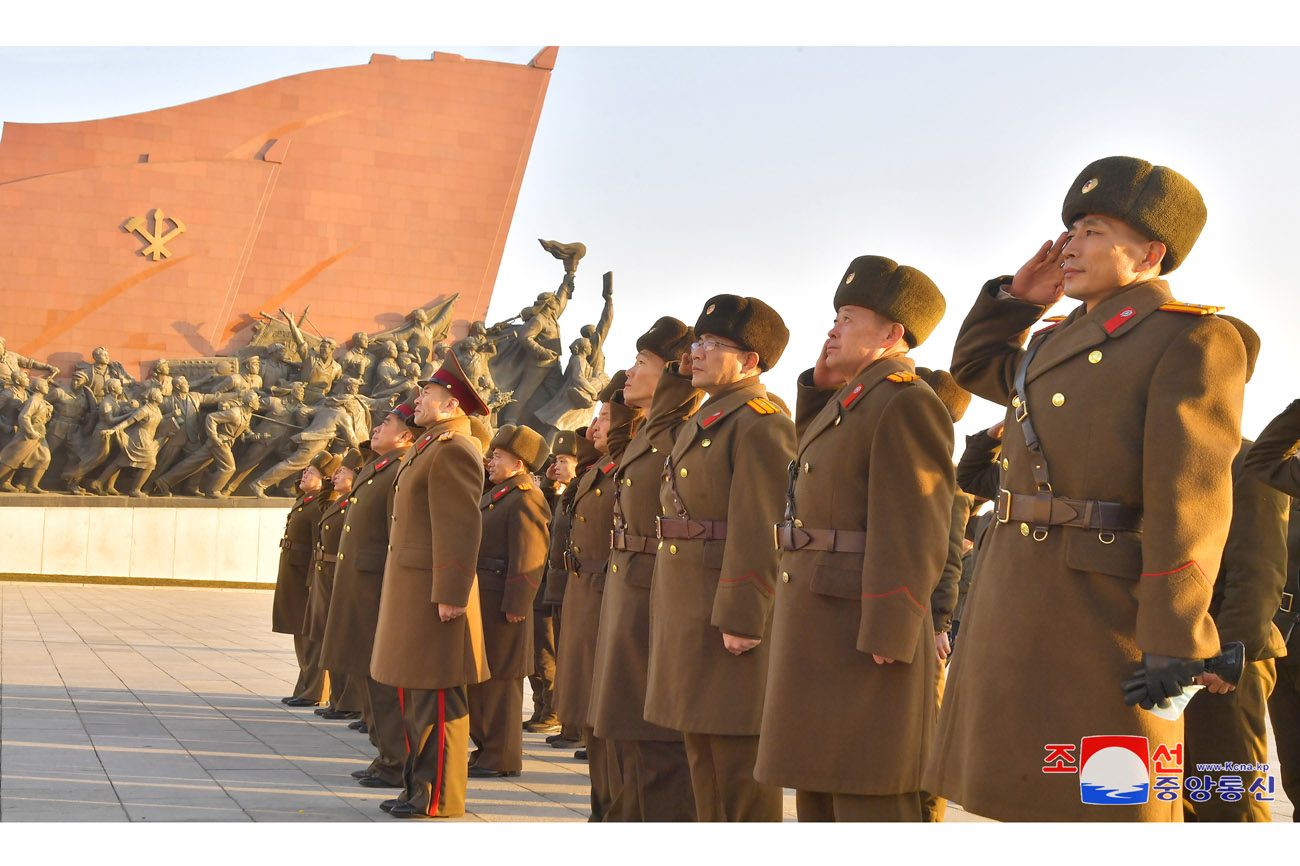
(764, 171)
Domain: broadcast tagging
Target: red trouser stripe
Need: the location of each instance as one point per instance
(442, 749)
(401, 707)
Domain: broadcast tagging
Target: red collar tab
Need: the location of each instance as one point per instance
(1118, 319)
(852, 396)
(502, 492)
(424, 441)
(609, 467)
(343, 503)
(714, 417)
(382, 463)
(310, 497)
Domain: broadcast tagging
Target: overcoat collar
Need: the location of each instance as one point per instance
(515, 482)
(851, 394)
(715, 409)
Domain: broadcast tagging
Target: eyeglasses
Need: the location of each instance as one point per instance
(710, 345)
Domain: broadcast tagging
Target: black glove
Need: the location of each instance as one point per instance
(1229, 664)
(1159, 679)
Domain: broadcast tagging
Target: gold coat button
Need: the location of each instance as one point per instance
(340, 557)
(490, 507)
(682, 472)
(1058, 399)
(654, 450)
(661, 546)
(836, 422)
(1015, 401)
(807, 467)
(627, 482)
(347, 528)
(706, 443)
(599, 492)
(577, 549)
(1094, 357)
(1006, 464)
(371, 481)
(581, 519)
(785, 577)
(615, 568)
(672, 548)
(1024, 529)
(327, 526)
(390, 547)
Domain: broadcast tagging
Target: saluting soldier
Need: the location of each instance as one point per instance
(1122, 424)
(1273, 461)
(655, 775)
(850, 691)
(1225, 723)
(511, 560)
(292, 581)
(358, 577)
(429, 640)
(716, 567)
(586, 556)
(345, 691)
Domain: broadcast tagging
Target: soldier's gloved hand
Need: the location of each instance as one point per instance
(1159, 679)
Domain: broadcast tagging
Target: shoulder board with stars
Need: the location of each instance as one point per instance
(902, 377)
(524, 486)
(1190, 309)
(445, 436)
(763, 406)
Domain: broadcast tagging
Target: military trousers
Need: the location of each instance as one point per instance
(656, 782)
(345, 692)
(436, 771)
(542, 680)
(313, 682)
(821, 806)
(1231, 727)
(496, 710)
(722, 778)
(1284, 710)
(933, 806)
(604, 767)
(382, 712)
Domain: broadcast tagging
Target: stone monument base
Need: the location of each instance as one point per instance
(155, 540)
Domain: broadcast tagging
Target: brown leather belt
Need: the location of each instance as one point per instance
(489, 563)
(1288, 603)
(836, 540)
(619, 540)
(583, 566)
(286, 544)
(700, 530)
(1094, 514)
(324, 557)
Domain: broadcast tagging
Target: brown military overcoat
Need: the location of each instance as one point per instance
(727, 465)
(874, 456)
(589, 539)
(511, 561)
(359, 574)
(289, 607)
(326, 535)
(433, 545)
(623, 639)
(1133, 404)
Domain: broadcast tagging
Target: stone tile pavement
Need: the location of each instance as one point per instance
(162, 704)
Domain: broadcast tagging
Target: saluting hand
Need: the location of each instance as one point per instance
(448, 612)
(823, 375)
(1039, 280)
(737, 645)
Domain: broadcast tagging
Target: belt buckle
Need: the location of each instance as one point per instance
(1002, 511)
(613, 534)
(1288, 602)
(659, 531)
(776, 535)
(1022, 411)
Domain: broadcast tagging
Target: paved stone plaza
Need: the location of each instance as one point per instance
(128, 703)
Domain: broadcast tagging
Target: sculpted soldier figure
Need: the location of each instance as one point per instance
(137, 448)
(28, 449)
(850, 702)
(386, 373)
(585, 375)
(429, 638)
(69, 407)
(356, 361)
(716, 568)
(278, 421)
(225, 379)
(586, 554)
(656, 777)
(12, 362)
(358, 578)
(329, 422)
(12, 397)
(94, 447)
(319, 369)
(180, 431)
(289, 607)
(159, 377)
(252, 374)
(1116, 498)
(276, 371)
(101, 369)
(1226, 722)
(511, 560)
(223, 427)
(535, 346)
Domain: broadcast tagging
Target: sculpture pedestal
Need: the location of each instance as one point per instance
(157, 539)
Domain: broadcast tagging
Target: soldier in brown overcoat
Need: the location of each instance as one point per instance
(1116, 495)
(511, 560)
(1227, 722)
(429, 638)
(716, 567)
(1272, 460)
(289, 608)
(586, 557)
(345, 691)
(358, 577)
(655, 774)
(849, 710)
